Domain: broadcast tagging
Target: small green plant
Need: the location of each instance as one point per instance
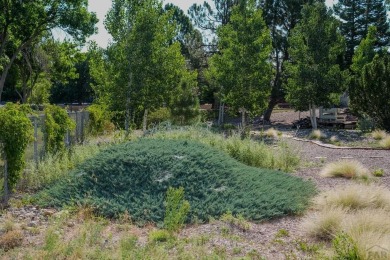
(57, 123)
(238, 221)
(160, 115)
(378, 173)
(282, 233)
(176, 209)
(345, 247)
(160, 235)
(99, 120)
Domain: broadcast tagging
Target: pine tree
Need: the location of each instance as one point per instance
(356, 17)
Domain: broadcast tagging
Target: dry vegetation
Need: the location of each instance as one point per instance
(347, 169)
(358, 212)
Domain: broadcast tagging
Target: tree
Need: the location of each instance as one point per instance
(243, 68)
(313, 73)
(356, 17)
(281, 16)
(146, 60)
(371, 93)
(24, 23)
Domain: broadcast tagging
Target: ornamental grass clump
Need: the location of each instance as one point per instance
(385, 142)
(347, 169)
(379, 134)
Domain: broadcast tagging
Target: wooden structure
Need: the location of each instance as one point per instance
(336, 117)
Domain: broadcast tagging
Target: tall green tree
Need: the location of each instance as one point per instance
(370, 95)
(23, 23)
(148, 62)
(281, 16)
(356, 17)
(242, 68)
(313, 73)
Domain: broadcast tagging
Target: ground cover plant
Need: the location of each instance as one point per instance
(135, 176)
(247, 151)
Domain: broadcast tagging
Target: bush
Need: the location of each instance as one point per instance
(345, 247)
(160, 115)
(378, 173)
(99, 120)
(346, 169)
(135, 177)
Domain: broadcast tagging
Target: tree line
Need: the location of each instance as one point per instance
(246, 54)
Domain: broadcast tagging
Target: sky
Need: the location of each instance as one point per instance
(100, 7)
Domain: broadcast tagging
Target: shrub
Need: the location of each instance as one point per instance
(11, 239)
(385, 143)
(16, 131)
(99, 120)
(57, 123)
(176, 209)
(346, 169)
(345, 247)
(160, 115)
(135, 177)
(379, 134)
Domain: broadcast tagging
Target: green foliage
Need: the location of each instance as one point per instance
(16, 131)
(378, 172)
(176, 209)
(243, 69)
(160, 115)
(314, 76)
(345, 247)
(135, 176)
(237, 221)
(370, 93)
(159, 235)
(99, 120)
(57, 123)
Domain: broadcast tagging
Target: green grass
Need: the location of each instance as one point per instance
(135, 176)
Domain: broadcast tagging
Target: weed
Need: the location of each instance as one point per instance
(176, 209)
(345, 247)
(378, 173)
(282, 233)
(237, 250)
(160, 235)
(11, 239)
(238, 221)
(307, 247)
(346, 169)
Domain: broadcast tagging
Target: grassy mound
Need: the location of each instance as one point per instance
(135, 176)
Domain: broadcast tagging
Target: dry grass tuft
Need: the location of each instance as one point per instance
(379, 134)
(324, 225)
(356, 216)
(334, 139)
(354, 197)
(385, 143)
(11, 239)
(346, 169)
(317, 135)
(271, 133)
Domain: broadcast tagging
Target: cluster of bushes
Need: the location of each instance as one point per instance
(135, 176)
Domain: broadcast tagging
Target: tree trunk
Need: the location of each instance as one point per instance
(243, 123)
(221, 113)
(6, 190)
(313, 117)
(271, 105)
(145, 120)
